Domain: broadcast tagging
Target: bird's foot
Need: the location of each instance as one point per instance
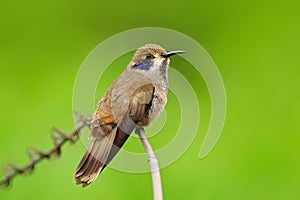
(138, 129)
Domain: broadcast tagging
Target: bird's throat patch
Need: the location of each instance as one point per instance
(145, 65)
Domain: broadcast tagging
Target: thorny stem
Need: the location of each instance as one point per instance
(35, 155)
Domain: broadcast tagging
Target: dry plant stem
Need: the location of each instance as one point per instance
(36, 156)
(153, 162)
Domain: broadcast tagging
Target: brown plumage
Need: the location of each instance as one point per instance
(135, 98)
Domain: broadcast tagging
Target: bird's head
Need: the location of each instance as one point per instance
(151, 57)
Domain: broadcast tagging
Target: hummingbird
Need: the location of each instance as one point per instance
(135, 99)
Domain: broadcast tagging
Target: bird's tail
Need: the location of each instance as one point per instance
(101, 151)
(94, 160)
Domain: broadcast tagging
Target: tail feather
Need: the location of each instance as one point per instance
(87, 158)
(101, 151)
(94, 160)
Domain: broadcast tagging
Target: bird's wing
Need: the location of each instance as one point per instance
(140, 102)
(109, 137)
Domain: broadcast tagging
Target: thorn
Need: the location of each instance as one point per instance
(14, 167)
(5, 182)
(60, 133)
(6, 170)
(81, 119)
(55, 139)
(35, 151)
(74, 138)
(30, 153)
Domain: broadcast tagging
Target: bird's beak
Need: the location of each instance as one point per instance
(171, 53)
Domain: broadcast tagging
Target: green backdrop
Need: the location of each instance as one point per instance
(255, 45)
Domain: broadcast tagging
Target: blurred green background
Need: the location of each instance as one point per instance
(255, 44)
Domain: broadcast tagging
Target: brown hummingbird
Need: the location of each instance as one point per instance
(136, 98)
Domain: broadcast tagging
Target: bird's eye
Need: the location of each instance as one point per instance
(149, 56)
